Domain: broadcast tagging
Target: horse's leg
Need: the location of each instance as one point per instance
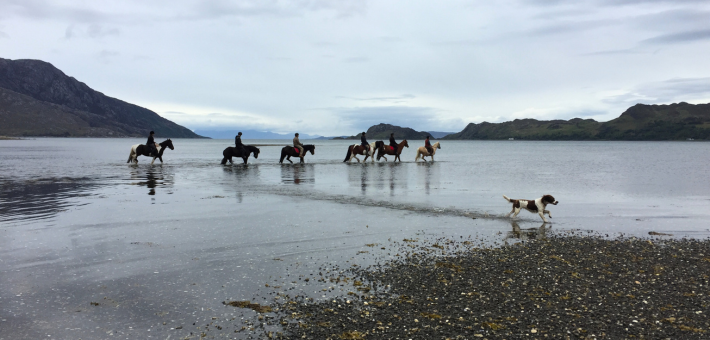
(288, 158)
(358, 159)
(151, 163)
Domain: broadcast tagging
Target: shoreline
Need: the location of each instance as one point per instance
(561, 287)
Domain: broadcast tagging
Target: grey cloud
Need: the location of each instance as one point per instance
(356, 60)
(222, 8)
(668, 91)
(393, 99)
(106, 56)
(680, 37)
(94, 31)
(568, 27)
(418, 118)
(620, 52)
(4, 35)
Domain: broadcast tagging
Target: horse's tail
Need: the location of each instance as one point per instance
(130, 156)
(379, 154)
(350, 152)
(224, 161)
(283, 155)
(419, 152)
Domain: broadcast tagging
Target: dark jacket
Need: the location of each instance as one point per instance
(150, 142)
(238, 141)
(363, 140)
(393, 143)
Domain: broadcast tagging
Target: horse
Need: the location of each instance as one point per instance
(142, 150)
(357, 149)
(232, 151)
(388, 150)
(288, 152)
(422, 151)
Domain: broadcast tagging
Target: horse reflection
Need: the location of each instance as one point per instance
(430, 176)
(539, 233)
(297, 174)
(152, 179)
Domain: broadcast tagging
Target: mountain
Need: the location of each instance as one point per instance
(439, 134)
(37, 99)
(677, 121)
(250, 134)
(382, 132)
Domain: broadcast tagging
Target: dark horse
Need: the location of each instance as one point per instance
(288, 152)
(388, 150)
(142, 150)
(231, 151)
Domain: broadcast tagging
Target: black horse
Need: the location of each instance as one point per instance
(288, 152)
(231, 151)
(142, 150)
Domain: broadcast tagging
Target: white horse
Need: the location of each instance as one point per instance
(357, 149)
(422, 152)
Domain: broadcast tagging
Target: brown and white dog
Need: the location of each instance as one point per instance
(533, 206)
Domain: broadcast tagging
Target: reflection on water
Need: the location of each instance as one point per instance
(527, 234)
(152, 178)
(41, 199)
(429, 173)
(297, 174)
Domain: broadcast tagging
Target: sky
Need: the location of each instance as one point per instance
(337, 67)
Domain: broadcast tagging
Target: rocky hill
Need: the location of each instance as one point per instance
(382, 132)
(37, 99)
(640, 122)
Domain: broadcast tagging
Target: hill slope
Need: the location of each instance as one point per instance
(382, 132)
(640, 122)
(37, 99)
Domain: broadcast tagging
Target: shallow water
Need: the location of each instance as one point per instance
(167, 243)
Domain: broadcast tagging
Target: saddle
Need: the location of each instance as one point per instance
(391, 148)
(297, 149)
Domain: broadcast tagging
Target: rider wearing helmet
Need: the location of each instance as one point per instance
(238, 143)
(363, 142)
(298, 146)
(393, 144)
(427, 145)
(152, 146)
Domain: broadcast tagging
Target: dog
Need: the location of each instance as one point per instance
(533, 206)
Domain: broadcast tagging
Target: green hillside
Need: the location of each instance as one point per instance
(640, 122)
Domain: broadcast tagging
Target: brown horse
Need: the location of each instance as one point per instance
(288, 152)
(357, 149)
(388, 150)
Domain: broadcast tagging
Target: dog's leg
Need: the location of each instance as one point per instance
(512, 211)
(517, 211)
(548, 213)
(542, 215)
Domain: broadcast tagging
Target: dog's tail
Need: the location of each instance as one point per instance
(506, 198)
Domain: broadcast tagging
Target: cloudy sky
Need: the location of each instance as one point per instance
(337, 67)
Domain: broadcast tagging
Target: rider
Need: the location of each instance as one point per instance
(363, 142)
(427, 145)
(152, 146)
(298, 146)
(238, 143)
(393, 144)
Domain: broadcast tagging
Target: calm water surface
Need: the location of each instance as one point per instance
(159, 247)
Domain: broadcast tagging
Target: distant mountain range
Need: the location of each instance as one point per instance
(37, 99)
(382, 132)
(679, 121)
(253, 134)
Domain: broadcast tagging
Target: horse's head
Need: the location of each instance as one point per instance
(312, 149)
(436, 145)
(404, 142)
(167, 143)
(256, 152)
